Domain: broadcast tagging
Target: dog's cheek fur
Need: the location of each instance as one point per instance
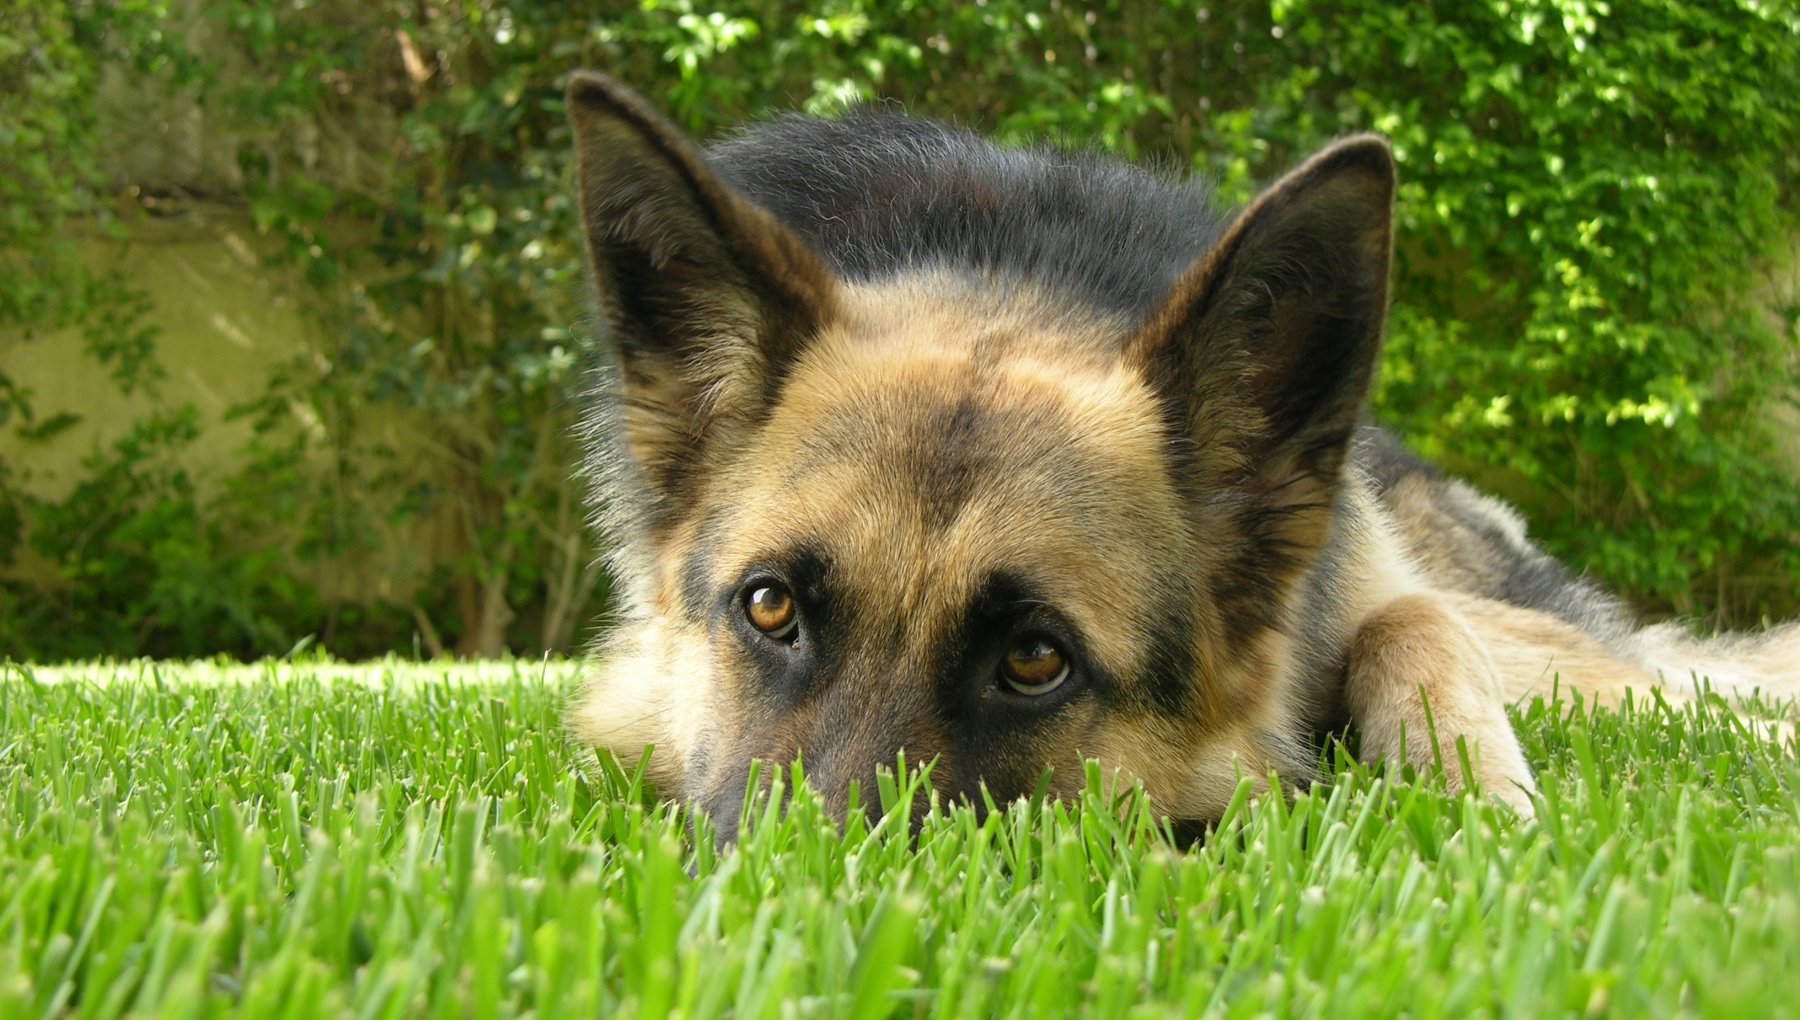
(649, 688)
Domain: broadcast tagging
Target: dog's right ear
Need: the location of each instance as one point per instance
(707, 297)
(1264, 351)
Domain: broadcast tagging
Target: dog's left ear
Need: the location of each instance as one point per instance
(1263, 351)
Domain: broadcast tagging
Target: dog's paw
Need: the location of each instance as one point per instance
(1500, 773)
(1520, 798)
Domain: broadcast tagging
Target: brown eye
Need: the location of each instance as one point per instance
(1034, 666)
(770, 609)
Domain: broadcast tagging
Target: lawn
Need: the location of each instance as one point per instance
(399, 840)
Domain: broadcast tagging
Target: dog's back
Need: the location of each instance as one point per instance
(1474, 543)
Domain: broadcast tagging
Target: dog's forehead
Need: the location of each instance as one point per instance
(920, 378)
(932, 446)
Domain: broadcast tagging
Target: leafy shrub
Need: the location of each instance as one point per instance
(1590, 196)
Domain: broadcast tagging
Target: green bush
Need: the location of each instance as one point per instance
(1591, 196)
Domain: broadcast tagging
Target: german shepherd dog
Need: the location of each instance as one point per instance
(1005, 460)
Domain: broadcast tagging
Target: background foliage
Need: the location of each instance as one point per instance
(1594, 200)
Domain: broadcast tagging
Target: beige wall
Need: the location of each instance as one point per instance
(1782, 292)
(228, 309)
(223, 317)
(227, 312)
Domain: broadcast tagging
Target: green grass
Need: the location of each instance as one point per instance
(399, 841)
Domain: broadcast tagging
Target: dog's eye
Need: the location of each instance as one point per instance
(1034, 666)
(770, 609)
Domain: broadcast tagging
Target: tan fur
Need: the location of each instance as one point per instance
(1190, 778)
(1741, 666)
(636, 699)
(1536, 655)
(1419, 682)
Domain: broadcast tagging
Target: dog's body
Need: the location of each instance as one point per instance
(1011, 459)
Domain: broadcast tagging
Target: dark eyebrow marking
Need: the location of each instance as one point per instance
(805, 569)
(1171, 659)
(1005, 599)
(1002, 594)
(808, 570)
(989, 617)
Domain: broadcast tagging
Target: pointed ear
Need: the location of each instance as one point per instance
(707, 298)
(1263, 351)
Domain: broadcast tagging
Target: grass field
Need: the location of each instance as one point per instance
(401, 840)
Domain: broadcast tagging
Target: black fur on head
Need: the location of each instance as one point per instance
(878, 194)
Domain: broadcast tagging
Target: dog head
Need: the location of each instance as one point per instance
(953, 516)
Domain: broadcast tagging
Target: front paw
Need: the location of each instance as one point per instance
(1422, 688)
(1500, 772)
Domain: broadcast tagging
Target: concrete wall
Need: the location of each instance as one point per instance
(223, 318)
(227, 314)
